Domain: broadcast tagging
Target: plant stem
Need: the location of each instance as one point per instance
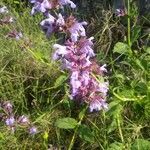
(129, 25)
(120, 131)
(76, 129)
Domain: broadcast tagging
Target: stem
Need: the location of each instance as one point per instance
(129, 25)
(76, 129)
(120, 131)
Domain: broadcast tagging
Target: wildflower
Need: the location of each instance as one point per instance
(120, 12)
(97, 105)
(76, 55)
(60, 21)
(84, 86)
(40, 6)
(85, 78)
(76, 29)
(103, 88)
(33, 130)
(103, 68)
(15, 34)
(48, 25)
(60, 51)
(66, 2)
(86, 46)
(6, 20)
(10, 121)
(7, 106)
(3, 10)
(23, 120)
(75, 83)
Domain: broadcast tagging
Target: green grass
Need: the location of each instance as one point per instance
(38, 88)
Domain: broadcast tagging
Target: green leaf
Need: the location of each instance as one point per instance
(139, 64)
(135, 33)
(116, 146)
(147, 50)
(122, 48)
(85, 133)
(59, 81)
(141, 144)
(114, 108)
(141, 88)
(114, 112)
(16, 2)
(66, 123)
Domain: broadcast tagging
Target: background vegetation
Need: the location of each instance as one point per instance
(37, 87)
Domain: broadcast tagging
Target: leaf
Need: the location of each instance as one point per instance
(141, 88)
(122, 48)
(85, 133)
(66, 102)
(116, 146)
(135, 33)
(16, 2)
(141, 144)
(66, 123)
(139, 64)
(82, 112)
(114, 112)
(59, 81)
(114, 108)
(147, 50)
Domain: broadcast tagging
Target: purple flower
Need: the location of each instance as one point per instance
(98, 104)
(103, 88)
(10, 121)
(60, 21)
(15, 34)
(85, 46)
(60, 51)
(85, 78)
(33, 130)
(66, 2)
(120, 12)
(48, 25)
(75, 83)
(84, 61)
(6, 20)
(3, 10)
(66, 64)
(103, 68)
(18, 35)
(23, 120)
(77, 30)
(40, 6)
(75, 57)
(7, 106)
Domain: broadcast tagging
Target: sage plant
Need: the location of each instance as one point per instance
(87, 82)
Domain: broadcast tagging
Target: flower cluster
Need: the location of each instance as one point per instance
(69, 25)
(14, 34)
(45, 5)
(85, 86)
(77, 54)
(7, 19)
(13, 122)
